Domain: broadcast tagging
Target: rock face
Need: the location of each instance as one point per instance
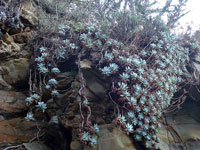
(114, 139)
(184, 128)
(14, 58)
(29, 13)
(22, 37)
(18, 130)
(110, 138)
(8, 46)
(12, 102)
(35, 146)
(15, 71)
(102, 108)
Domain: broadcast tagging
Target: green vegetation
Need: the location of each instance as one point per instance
(131, 46)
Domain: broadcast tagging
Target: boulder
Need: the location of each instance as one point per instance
(12, 102)
(19, 130)
(3, 84)
(35, 146)
(28, 13)
(15, 71)
(111, 138)
(184, 128)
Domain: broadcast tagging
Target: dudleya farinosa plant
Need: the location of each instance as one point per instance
(145, 84)
(142, 81)
(44, 67)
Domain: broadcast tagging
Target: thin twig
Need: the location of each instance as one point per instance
(36, 137)
(12, 147)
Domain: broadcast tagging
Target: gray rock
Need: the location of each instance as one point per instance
(12, 102)
(184, 129)
(35, 146)
(111, 138)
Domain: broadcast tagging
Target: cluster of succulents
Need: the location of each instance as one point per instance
(32, 100)
(3, 16)
(142, 81)
(9, 14)
(90, 137)
(44, 67)
(145, 84)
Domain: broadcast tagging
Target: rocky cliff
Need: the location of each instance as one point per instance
(57, 128)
